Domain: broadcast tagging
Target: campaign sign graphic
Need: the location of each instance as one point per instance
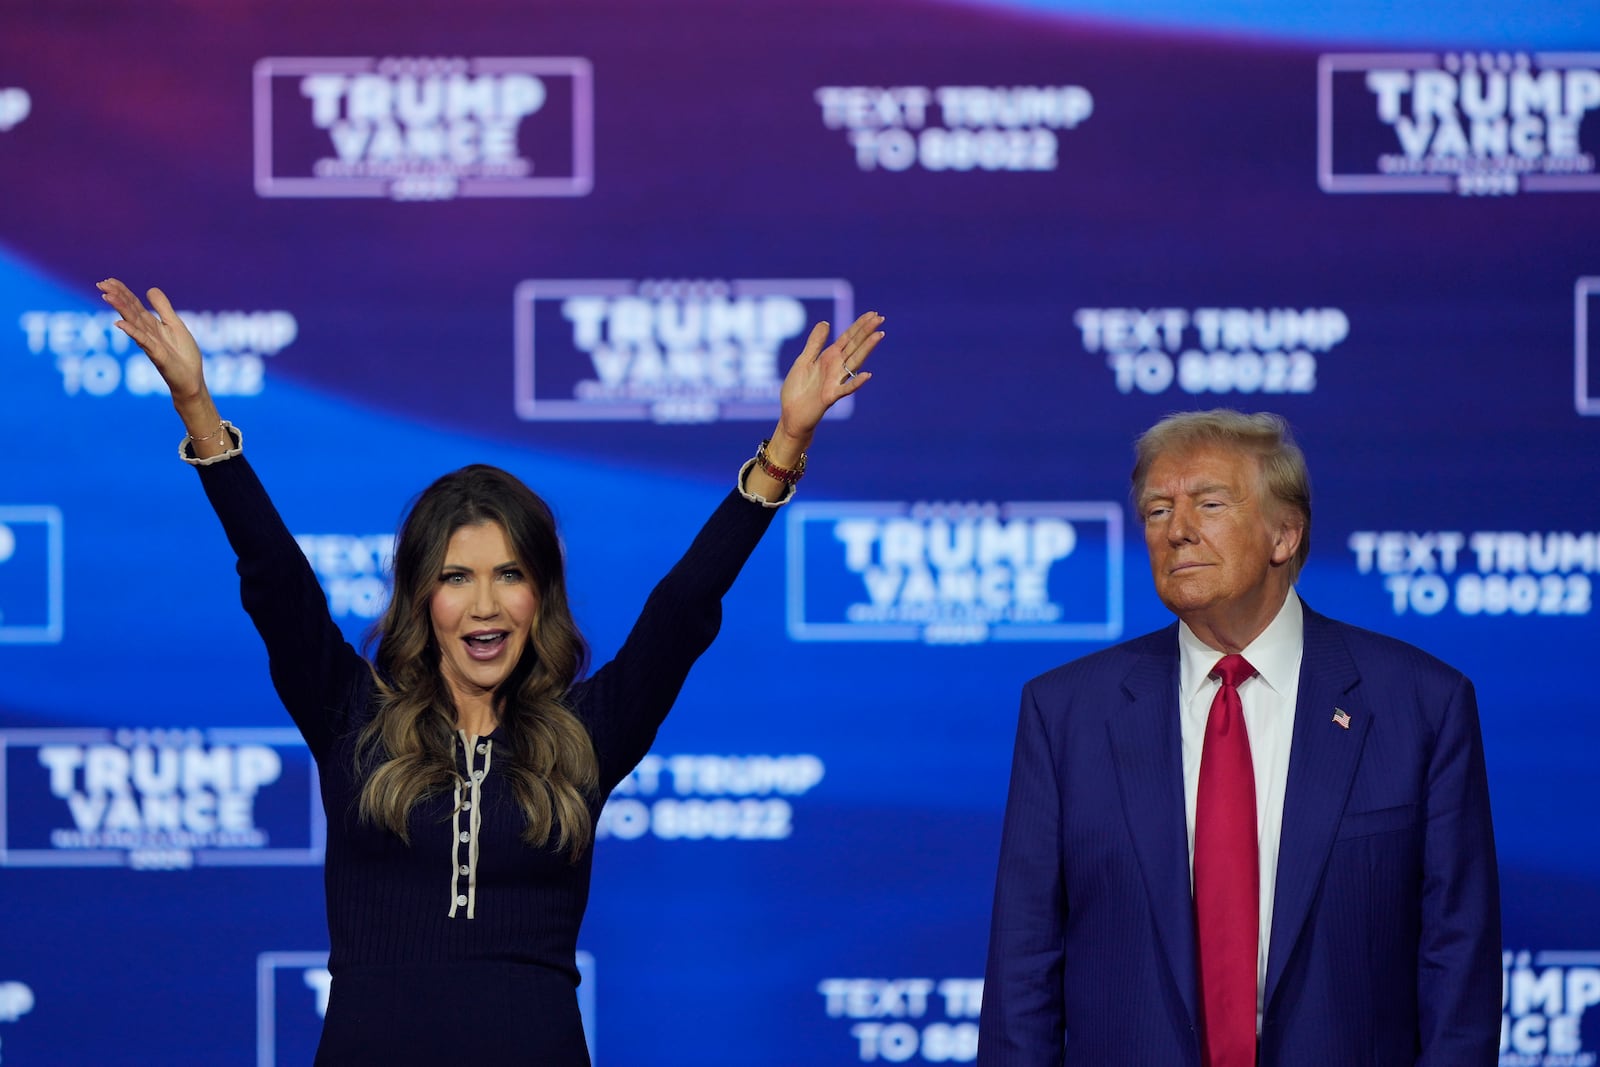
(666, 351)
(1478, 124)
(292, 990)
(1482, 573)
(955, 573)
(158, 799)
(1247, 350)
(424, 128)
(15, 103)
(1586, 359)
(291, 1000)
(930, 1020)
(955, 128)
(96, 359)
(16, 1000)
(31, 574)
(709, 798)
(351, 568)
(1544, 999)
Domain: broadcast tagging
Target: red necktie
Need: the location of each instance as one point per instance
(1227, 877)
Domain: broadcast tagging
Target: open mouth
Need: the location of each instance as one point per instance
(485, 645)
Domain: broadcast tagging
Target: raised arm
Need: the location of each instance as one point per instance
(314, 669)
(817, 380)
(627, 699)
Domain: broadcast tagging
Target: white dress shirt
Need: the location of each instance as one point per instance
(1268, 699)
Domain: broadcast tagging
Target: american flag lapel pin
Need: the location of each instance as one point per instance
(1341, 717)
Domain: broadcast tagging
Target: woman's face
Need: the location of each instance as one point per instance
(483, 607)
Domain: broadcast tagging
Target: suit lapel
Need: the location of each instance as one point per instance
(1322, 763)
(1146, 748)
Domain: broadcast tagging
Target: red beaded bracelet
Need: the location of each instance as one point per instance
(775, 472)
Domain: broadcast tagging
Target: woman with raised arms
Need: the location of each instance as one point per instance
(462, 770)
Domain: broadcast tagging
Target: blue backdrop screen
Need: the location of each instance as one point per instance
(583, 242)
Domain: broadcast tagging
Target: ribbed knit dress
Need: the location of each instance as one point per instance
(459, 948)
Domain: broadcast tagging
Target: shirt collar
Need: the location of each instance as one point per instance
(1275, 653)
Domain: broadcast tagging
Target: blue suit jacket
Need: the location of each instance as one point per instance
(1385, 941)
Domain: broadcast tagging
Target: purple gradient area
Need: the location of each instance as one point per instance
(1193, 182)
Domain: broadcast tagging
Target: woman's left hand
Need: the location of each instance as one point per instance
(821, 376)
(818, 379)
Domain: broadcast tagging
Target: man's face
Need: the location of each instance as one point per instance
(1217, 543)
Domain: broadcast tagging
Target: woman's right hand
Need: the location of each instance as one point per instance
(166, 340)
(170, 346)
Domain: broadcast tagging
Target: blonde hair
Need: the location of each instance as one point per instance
(1263, 435)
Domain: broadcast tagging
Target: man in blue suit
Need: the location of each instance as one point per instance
(1349, 916)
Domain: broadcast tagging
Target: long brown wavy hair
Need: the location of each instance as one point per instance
(407, 751)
